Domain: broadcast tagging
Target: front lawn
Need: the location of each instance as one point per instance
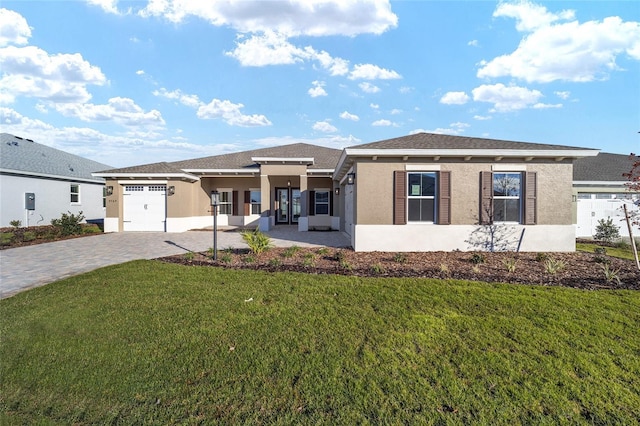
(151, 342)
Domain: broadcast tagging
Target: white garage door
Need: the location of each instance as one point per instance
(144, 207)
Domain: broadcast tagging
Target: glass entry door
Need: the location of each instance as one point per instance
(288, 205)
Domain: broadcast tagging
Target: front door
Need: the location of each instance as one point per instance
(289, 205)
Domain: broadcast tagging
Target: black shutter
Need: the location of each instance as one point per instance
(235, 203)
(312, 203)
(486, 198)
(247, 203)
(444, 198)
(530, 198)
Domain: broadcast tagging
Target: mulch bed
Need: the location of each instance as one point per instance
(580, 270)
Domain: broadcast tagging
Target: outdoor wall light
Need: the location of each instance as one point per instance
(337, 191)
(288, 183)
(351, 178)
(215, 198)
(171, 190)
(109, 190)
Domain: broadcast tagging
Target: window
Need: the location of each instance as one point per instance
(226, 202)
(75, 193)
(508, 197)
(507, 188)
(254, 199)
(421, 196)
(321, 202)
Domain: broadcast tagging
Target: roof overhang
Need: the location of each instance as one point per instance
(224, 172)
(349, 154)
(283, 160)
(52, 177)
(148, 176)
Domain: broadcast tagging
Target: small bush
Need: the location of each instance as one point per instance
(510, 264)
(290, 251)
(275, 262)
(28, 236)
(5, 238)
(340, 256)
(345, 265)
(477, 258)
(606, 231)
(600, 250)
(188, 256)
(322, 251)
(257, 241)
(226, 258)
(400, 258)
(15, 223)
(553, 266)
(623, 245)
(377, 269)
(610, 274)
(69, 224)
(444, 268)
(249, 259)
(601, 259)
(541, 257)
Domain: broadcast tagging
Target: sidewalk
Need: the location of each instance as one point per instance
(23, 268)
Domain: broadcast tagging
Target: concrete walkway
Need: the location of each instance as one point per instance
(23, 268)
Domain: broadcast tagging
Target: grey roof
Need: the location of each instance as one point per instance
(153, 168)
(324, 158)
(31, 158)
(438, 141)
(603, 167)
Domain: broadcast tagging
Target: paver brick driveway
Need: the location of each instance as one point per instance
(32, 266)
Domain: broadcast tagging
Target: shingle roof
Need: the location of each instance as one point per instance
(324, 158)
(154, 168)
(24, 155)
(438, 141)
(603, 167)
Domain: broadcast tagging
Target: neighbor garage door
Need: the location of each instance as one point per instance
(144, 207)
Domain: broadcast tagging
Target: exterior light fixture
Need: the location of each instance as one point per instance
(351, 178)
(171, 190)
(336, 191)
(109, 190)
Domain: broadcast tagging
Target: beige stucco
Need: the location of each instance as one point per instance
(374, 189)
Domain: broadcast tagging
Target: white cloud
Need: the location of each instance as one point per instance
(553, 50)
(454, 98)
(109, 6)
(325, 127)
(348, 116)
(405, 89)
(140, 72)
(335, 141)
(123, 111)
(482, 117)
(396, 111)
(335, 66)
(563, 95)
(382, 123)
(30, 71)
(317, 89)
(368, 87)
(473, 43)
(293, 18)
(506, 98)
(133, 147)
(231, 114)
(372, 72)
(269, 48)
(540, 105)
(453, 129)
(189, 100)
(374, 106)
(13, 28)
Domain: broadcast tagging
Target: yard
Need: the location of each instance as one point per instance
(153, 342)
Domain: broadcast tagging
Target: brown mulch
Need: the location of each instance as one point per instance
(581, 270)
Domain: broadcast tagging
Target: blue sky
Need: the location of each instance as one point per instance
(138, 82)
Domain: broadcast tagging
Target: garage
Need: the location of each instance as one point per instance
(144, 207)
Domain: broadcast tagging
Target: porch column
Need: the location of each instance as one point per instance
(303, 220)
(264, 222)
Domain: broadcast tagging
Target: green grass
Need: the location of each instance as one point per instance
(148, 342)
(622, 253)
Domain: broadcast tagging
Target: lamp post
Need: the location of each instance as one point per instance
(215, 201)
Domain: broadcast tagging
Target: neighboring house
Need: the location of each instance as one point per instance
(600, 191)
(39, 183)
(414, 193)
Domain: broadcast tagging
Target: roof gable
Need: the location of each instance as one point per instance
(28, 157)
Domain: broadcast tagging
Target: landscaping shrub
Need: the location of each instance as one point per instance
(257, 241)
(69, 224)
(606, 231)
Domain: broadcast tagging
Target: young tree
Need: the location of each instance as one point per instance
(633, 178)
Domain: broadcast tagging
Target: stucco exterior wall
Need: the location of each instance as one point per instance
(374, 189)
